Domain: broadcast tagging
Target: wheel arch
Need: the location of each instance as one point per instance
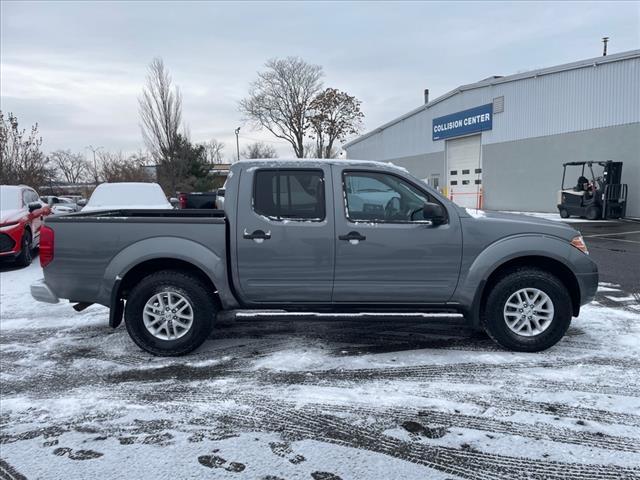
(551, 254)
(124, 284)
(540, 262)
(160, 253)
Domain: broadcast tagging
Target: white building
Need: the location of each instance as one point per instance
(500, 143)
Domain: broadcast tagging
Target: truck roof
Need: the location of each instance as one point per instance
(312, 162)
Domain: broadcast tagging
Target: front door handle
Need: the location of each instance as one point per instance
(257, 235)
(352, 236)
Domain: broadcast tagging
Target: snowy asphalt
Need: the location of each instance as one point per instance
(326, 399)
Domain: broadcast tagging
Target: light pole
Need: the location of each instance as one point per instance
(95, 165)
(238, 142)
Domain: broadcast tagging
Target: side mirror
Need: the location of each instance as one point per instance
(33, 206)
(434, 212)
(175, 203)
(82, 202)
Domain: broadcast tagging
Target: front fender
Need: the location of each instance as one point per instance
(213, 265)
(474, 278)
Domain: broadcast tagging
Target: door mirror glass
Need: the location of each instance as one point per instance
(434, 212)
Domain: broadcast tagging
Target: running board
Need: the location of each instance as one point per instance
(337, 315)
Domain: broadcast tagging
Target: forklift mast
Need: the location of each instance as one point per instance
(612, 172)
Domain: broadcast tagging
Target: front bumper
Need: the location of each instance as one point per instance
(42, 293)
(588, 283)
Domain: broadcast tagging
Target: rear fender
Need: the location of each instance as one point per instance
(175, 248)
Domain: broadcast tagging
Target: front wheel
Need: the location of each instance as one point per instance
(528, 310)
(593, 213)
(25, 258)
(170, 313)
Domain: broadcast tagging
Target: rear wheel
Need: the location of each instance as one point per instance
(170, 313)
(564, 213)
(528, 310)
(25, 258)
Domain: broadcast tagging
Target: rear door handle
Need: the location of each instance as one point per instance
(257, 235)
(352, 236)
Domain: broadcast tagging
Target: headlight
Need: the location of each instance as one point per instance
(578, 242)
(8, 226)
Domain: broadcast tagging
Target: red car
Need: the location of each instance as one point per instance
(21, 215)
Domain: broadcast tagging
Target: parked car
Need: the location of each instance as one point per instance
(311, 235)
(129, 195)
(197, 200)
(61, 204)
(21, 214)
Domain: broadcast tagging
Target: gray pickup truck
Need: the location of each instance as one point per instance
(318, 235)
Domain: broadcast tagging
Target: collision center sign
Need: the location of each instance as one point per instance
(456, 124)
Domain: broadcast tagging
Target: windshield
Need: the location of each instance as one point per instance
(127, 194)
(10, 198)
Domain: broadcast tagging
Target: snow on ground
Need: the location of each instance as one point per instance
(282, 398)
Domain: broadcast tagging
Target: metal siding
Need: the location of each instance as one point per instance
(567, 101)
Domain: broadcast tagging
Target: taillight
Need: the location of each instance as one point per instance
(46, 246)
(183, 200)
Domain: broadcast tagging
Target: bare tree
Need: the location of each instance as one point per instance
(280, 98)
(214, 151)
(259, 150)
(21, 160)
(70, 167)
(115, 167)
(160, 108)
(334, 116)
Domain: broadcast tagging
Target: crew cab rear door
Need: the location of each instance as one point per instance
(384, 254)
(285, 235)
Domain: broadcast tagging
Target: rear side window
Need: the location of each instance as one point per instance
(289, 194)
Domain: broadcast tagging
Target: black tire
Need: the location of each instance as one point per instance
(564, 213)
(200, 298)
(593, 213)
(493, 314)
(25, 258)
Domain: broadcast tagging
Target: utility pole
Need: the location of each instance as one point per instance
(605, 40)
(95, 165)
(238, 142)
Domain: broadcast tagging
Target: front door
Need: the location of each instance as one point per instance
(385, 252)
(285, 238)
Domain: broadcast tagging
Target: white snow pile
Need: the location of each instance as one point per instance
(316, 398)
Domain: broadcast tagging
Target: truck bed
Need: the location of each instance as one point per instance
(87, 258)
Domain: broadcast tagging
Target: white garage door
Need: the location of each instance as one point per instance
(464, 171)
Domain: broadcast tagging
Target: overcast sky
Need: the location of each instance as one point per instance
(77, 68)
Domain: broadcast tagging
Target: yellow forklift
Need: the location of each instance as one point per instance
(600, 197)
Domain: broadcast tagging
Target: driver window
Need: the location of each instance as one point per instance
(379, 197)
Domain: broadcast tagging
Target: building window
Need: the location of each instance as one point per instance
(290, 194)
(478, 170)
(465, 172)
(454, 182)
(465, 182)
(478, 182)
(453, 172)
